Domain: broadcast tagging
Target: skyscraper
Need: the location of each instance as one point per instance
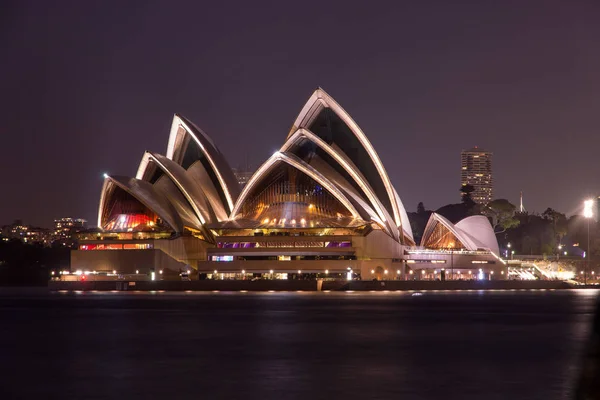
(476, 170)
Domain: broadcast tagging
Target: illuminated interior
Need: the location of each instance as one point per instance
(286, 197)
(127, 214)
(130, 222)
(443, 238)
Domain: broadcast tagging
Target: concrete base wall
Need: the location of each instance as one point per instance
(376, 245)
(184, 252)
(454, 285)
(210, 285)
(123, 261)
(186, 249)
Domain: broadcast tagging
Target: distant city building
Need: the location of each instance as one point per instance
(476, 170)
(242, 175)
(64, 228)
(26, 233)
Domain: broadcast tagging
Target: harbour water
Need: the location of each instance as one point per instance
(232, 345)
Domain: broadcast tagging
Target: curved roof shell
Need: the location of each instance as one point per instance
(473, 233)
(145, 193)
(193, 193)
(188, 144)
(194, 186)
(327, 119)
(480, 230)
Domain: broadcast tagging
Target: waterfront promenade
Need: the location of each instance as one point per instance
(306, 285)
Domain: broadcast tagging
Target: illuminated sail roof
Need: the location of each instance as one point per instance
(129, 196)
(191, 148)
(326, 173)
(323, 116)
(472, 233)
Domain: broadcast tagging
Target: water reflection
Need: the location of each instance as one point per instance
(466, 345)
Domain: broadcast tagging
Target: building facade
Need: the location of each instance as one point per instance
(66, 228)
(476, 170)
(26, 233)
(322, 206)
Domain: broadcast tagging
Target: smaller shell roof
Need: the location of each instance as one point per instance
(480, 230)
(145, 193)
(474, 232)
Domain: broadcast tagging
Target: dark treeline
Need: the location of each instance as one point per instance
(29, 264)
(548, 233)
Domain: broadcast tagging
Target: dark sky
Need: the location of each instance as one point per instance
(88, 86)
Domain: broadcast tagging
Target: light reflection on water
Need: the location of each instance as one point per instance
(463, 345)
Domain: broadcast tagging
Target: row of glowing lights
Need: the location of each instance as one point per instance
(80, 272)
(373, 271)
(423, 272)
(272, 271)
(282, 221)
(397, 291)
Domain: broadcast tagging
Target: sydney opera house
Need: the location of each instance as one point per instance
(322, 206)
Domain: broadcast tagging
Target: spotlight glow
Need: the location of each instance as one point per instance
(588, 211)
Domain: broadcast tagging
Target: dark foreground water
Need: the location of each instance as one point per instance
(465, 345)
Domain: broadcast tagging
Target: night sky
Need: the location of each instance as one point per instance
(87, 86)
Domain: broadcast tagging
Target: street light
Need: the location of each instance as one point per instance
(452, 261)
(588, 213)
(559, 251)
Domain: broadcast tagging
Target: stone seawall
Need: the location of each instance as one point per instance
(455, 285)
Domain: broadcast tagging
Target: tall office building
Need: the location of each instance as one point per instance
(476, 170)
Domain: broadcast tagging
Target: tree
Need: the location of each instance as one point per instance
(465, 191)
(502, 213)
(529, 245)
(418, 221)
(559, 223)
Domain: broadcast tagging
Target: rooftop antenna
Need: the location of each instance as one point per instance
(521, 207)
